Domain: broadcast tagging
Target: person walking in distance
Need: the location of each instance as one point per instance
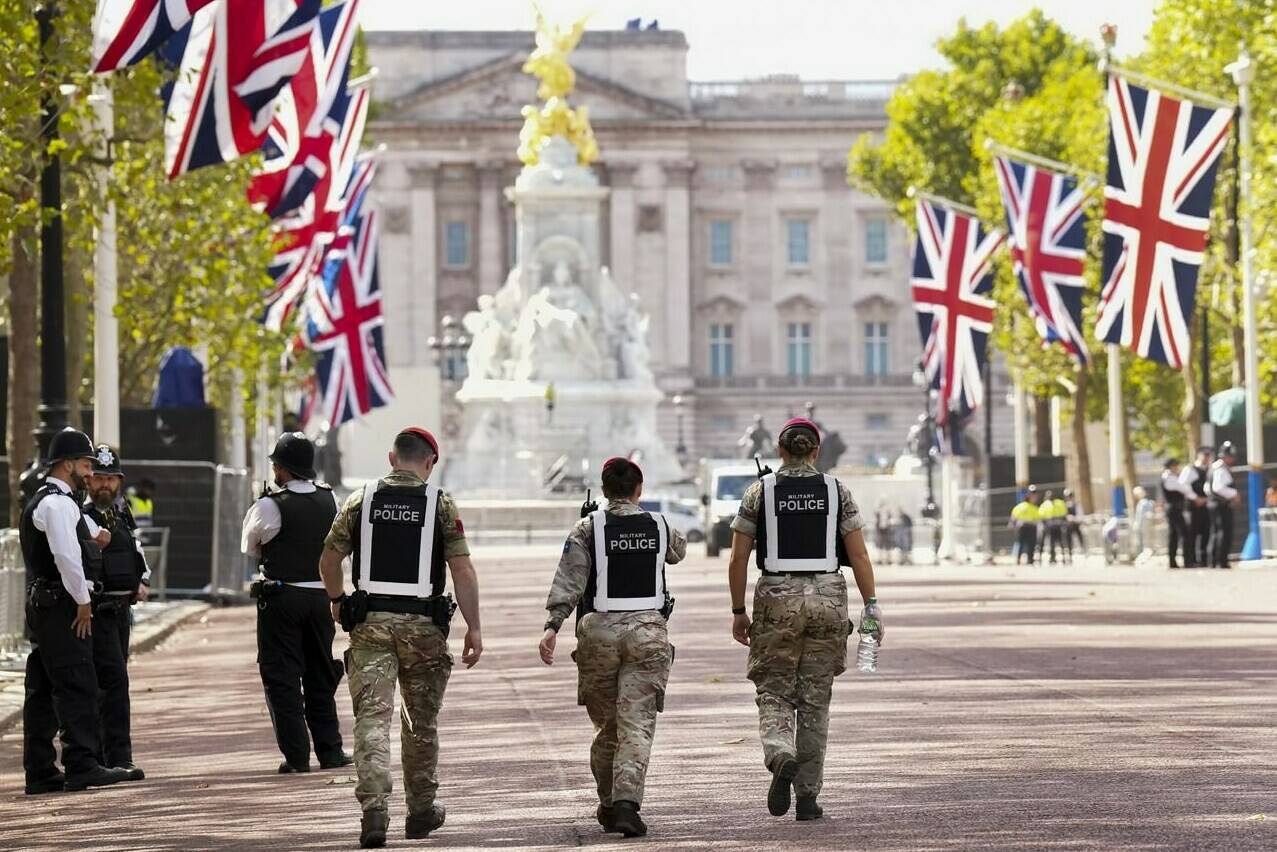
(1222, 497)
(1195, 477)
(125, 581)
(285, 531)
(400, 532)
(61, 550)
(1176, 496)
(1024, 518)
(806, 526)
(613, 569)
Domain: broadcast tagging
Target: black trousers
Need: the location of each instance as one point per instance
(1074, 531)
(61, 695)
(1054, 536)
(295, 633)
(1221, 536)
(111, 661)
(1198, 551)
(1177, 534)
(1027, 542)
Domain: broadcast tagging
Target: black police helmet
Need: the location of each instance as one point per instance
(296, 454)
(70, 444)
(107, 461)
(1227, 449)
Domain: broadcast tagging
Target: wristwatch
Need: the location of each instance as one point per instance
(738, 610)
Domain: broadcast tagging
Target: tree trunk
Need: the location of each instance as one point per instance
(24, 361)
(1194, 407)
(1128, 466)
(1083, 450)
(1232, 272)
(77, 331)
(1041, 426)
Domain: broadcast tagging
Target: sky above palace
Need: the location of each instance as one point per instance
(816, 39)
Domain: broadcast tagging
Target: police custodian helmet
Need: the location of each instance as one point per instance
(70, 444)
(1227, 449)
(296, 454)
(106, 461)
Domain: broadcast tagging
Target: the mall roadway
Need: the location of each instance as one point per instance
(1016, 709)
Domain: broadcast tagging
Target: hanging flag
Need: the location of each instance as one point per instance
(952, 283)
(127, 31)
(306, 232)
(232, 62)
(310, 116)
(1163, 154)
(345, 332)
(1047, 235)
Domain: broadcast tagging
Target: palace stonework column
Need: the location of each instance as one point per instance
(758, 255)
(839, 226)
(678, 268)
(491, 266)
(624, 230)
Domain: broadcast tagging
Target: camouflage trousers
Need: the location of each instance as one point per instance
(411, 649)
(797, 646)
(623, 662)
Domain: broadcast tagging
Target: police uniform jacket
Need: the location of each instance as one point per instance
(751, 510)
(265, 521)
(124, 564)
(52, 529)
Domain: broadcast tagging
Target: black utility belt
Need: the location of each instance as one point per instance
(407, 606)
(45, 594)
(800, 573)
(355, 608)
(111, 601)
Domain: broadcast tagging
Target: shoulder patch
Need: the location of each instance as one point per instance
(460, 526)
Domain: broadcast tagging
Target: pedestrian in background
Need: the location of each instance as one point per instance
(613, 571)
(1195, 476)
(1145, 510)
(1222, 497)
(1176, 495)
(1024, 519)
(141, 500)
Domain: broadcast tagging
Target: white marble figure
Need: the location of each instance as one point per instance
(635, 356)
(488, 353)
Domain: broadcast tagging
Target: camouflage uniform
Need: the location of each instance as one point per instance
(623, 662)
(392, 646)
(797, 646)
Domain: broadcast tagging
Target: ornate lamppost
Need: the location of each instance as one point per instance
(449, 352)
(680, 449)
(926, 449)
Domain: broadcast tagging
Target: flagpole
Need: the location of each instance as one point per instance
(1197, 97)
(1045, 162)
(1243, 72)
(1020, 409)
(1117, 424)
(106, 328)
(914, 192)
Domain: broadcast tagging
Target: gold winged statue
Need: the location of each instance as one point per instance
(549, 64)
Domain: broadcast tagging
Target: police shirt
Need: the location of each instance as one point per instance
(1221, 481)
(573, 574)
(57, 519)
(263, 523)
(1174, 490)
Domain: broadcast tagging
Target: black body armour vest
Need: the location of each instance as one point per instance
(1174, 499)
(399, 542)
(36, 552)
(121, 563)
(797, 530)
(292, 556)
(627, 563)
(1199, 485)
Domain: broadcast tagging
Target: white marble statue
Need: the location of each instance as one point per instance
(635, 357)
(488, 353)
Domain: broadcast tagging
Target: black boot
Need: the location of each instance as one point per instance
(419, 827)
(49, 784)
(336, 761)
(784, 768)
(606, 817)
(99, 776)
(807, 809)
(626, 819)
(372, 829)
(287, 768)
(135, 773)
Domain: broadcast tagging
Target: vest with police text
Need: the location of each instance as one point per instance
(292, 556)
(1174, 499)
(399, 543)
(121, 563)
(1199, 484)
(798, 530)
(627, 563)
(36, 552)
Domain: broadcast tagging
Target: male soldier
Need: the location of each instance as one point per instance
(399, 532)
(285, 531)
(61, 685)
(1195, 477)
(613, 566)
(125, 577)
(1024, 517)
(807, 526)
(1223, 497)
(1176, 496)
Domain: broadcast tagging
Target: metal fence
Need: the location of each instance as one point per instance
(13, 588)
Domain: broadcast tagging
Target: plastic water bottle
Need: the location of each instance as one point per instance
(867, 650)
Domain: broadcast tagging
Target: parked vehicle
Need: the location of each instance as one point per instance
(682, 514)
(723, 483)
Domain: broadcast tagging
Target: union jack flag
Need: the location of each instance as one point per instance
(1047, 235)
(127, 31)
(951, 286)
(345, 328)
(233, 59)
(311, 117)
(307, 231)
(1163, 155)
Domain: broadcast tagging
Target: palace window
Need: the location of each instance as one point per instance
(876, 346)
(798, 348)
(876, 239)
(720, 242)
(722, 355)
(456, 241)
(876, 422)
(798, 241)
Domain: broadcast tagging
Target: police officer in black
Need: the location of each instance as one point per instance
(1196, 477)
(124, 582)
(285, 531)
(61, 550)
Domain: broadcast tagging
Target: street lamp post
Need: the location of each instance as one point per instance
(449, 349)
(928, 440)
(680, 449)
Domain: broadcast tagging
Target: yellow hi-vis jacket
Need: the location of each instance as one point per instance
(1025, 513)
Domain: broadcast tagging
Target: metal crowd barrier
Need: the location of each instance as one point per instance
(13, 589)
(1268, 531)
(154, 542)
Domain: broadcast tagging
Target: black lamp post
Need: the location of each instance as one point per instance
(53, 394)
(449, 350)
(928, 441)
(680, 449)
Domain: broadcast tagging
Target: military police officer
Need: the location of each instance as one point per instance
(400, 531)
(62, 561)
(125, 577)
(285, 531)
(1222, 497)
(613, 568)
(806, 525)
